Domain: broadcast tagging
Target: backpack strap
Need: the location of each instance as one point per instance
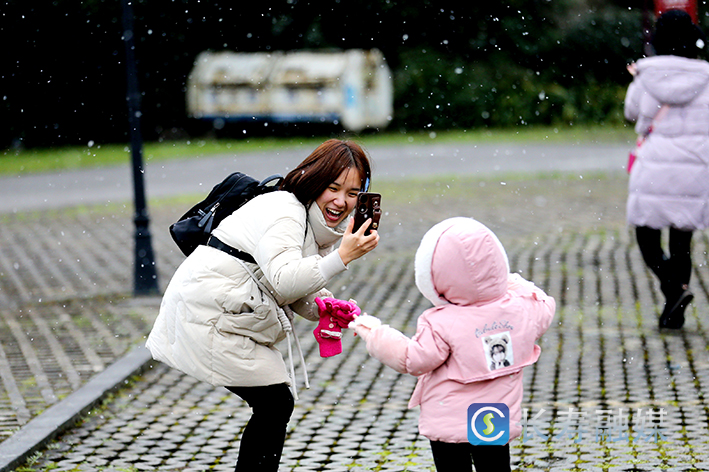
(278, 178)
(232, 251)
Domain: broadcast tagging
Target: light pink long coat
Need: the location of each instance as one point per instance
(669, 182)
(462, 269)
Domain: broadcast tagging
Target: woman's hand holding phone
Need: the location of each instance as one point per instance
(368, 207)
(361, 235)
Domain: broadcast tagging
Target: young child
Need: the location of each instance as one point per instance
(471, 346)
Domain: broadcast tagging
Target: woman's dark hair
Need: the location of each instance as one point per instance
(323, 166)
(676, 35)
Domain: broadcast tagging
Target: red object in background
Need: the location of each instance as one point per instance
(690, 6)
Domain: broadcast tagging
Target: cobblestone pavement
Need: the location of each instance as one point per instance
(67, 313)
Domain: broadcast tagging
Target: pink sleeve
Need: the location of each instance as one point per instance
(543, 306)
(427, 350)
(388, 346)
(416, 356)
(546, 306)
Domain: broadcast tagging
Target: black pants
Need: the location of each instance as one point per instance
(460, 457)
(262, 442)
(674, 270)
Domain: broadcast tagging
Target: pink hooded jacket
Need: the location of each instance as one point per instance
(669, 182)
(471, 347)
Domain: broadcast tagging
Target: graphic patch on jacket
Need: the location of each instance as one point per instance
(498, 350)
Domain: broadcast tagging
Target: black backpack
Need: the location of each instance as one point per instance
(194, 227)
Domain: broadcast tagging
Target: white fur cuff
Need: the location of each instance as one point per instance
(368, 321)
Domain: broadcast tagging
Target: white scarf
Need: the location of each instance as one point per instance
(324, 235)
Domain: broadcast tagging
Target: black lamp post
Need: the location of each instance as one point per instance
(647, 28)
(145, 275)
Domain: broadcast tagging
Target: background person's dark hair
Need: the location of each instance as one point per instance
(323, 166)
(676, 35)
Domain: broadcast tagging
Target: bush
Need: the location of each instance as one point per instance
(438, 93)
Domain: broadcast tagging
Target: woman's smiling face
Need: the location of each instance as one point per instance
(340, 197)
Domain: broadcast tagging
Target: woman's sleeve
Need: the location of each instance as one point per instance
(306, 306)
(279, 254)
(331, 265)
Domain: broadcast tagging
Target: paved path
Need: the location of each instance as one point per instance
(170, 178)
(67, 321)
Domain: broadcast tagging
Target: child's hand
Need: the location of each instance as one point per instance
(514, 282)
(364, 324)
(522, 287)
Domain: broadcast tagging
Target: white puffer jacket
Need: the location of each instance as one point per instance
(215, 324)
(669, 182)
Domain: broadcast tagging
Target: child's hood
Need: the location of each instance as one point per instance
(673, 80)
(460, 261)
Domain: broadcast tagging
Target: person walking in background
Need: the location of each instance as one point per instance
(471, 346)
(221, 316)
(669, 182)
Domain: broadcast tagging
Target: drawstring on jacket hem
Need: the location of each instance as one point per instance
(285, 317)
(287, 324)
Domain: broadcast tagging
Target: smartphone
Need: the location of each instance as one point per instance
(368, 206)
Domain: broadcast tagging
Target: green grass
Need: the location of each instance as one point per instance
(14, 162)
(96, 155)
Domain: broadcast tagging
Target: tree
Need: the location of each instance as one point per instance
(455, 65)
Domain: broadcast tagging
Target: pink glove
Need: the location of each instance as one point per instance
(334, 315)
